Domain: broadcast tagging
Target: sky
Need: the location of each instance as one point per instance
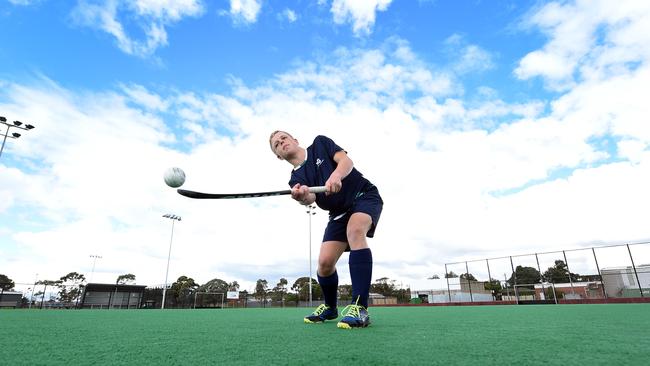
(490, 128)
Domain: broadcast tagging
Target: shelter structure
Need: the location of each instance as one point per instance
(112, 296)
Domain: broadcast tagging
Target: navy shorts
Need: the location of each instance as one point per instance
(368, 202)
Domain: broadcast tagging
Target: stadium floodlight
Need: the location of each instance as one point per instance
(169, 254)
(14, 135)
(92, 271)
(310, 211)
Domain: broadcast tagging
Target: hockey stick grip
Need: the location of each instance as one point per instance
(319, 189)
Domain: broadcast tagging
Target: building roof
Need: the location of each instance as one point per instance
(113, 287)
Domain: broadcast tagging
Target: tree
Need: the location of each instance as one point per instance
(301, 287)
(183, 289)
(280, 290)
(215, 285)
(495, 287)
(451, 274)
(70, 287)
(6, 283)
(125, 279)
(261, 290)
(383, 286)
(46, 283)
(345, 292)
(525, 276)
(559, 273)
(233, 286)
(433, 277)
(468, 277)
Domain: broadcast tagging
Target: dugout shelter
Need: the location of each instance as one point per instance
(111, 296)
(10, 299)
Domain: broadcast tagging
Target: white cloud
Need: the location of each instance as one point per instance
(151, 16)
(361, 13)
(587, 40)
(289, 15)
(245, 11)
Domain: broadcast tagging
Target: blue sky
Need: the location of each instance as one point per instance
(524, 121)
(202, 51)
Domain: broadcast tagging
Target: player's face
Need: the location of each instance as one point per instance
(284, 145)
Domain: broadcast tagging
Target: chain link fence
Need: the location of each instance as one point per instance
(610, 272)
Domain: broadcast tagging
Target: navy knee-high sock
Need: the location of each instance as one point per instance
(361, 274)
(330, 286)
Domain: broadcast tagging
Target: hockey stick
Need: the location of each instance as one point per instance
(201, 195)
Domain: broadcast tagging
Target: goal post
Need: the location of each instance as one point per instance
(209, 300)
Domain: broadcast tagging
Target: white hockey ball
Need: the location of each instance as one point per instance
(174, 177)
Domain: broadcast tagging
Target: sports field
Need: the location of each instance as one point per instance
(609, 334)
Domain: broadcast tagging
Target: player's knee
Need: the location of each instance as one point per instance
(357, 233)
(326, 266)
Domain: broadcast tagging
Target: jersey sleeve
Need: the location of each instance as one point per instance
(329, 145)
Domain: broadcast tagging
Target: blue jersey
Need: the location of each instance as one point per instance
(318, 167)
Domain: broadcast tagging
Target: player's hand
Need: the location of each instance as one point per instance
(333, 184)
(300, 193)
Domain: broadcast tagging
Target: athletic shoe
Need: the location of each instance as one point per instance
(355, 316)
(322, 313)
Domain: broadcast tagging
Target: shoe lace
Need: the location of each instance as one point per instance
(319, 310)
(353, 309)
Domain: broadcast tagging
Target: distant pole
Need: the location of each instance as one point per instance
(310, 211)
(602, 283)
(566, 263)
(94, 257)
(469, 284)
(447, 278)
(634, 268)
(169, 254)
(31, 298)
(514, 275)
(541, 277)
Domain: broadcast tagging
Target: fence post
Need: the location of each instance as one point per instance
(541, 278)
(469, 284)
(514, 275)
(568, 270)
(634, 268)
(447, 278)
(602, 283)
(487, 262)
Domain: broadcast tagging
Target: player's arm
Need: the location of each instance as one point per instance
(343, 168)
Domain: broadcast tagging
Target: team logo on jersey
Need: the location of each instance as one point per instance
(318, 162)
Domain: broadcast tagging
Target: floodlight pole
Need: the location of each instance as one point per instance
(169, 254)
(310, 211)
(92, 271)
(16, 124)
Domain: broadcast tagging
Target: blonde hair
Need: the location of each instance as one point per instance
(275, 133)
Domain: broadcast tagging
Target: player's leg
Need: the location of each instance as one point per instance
(362, 224)
(328, 279)
(360, 263)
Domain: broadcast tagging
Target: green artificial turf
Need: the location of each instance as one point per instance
(611, 334)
